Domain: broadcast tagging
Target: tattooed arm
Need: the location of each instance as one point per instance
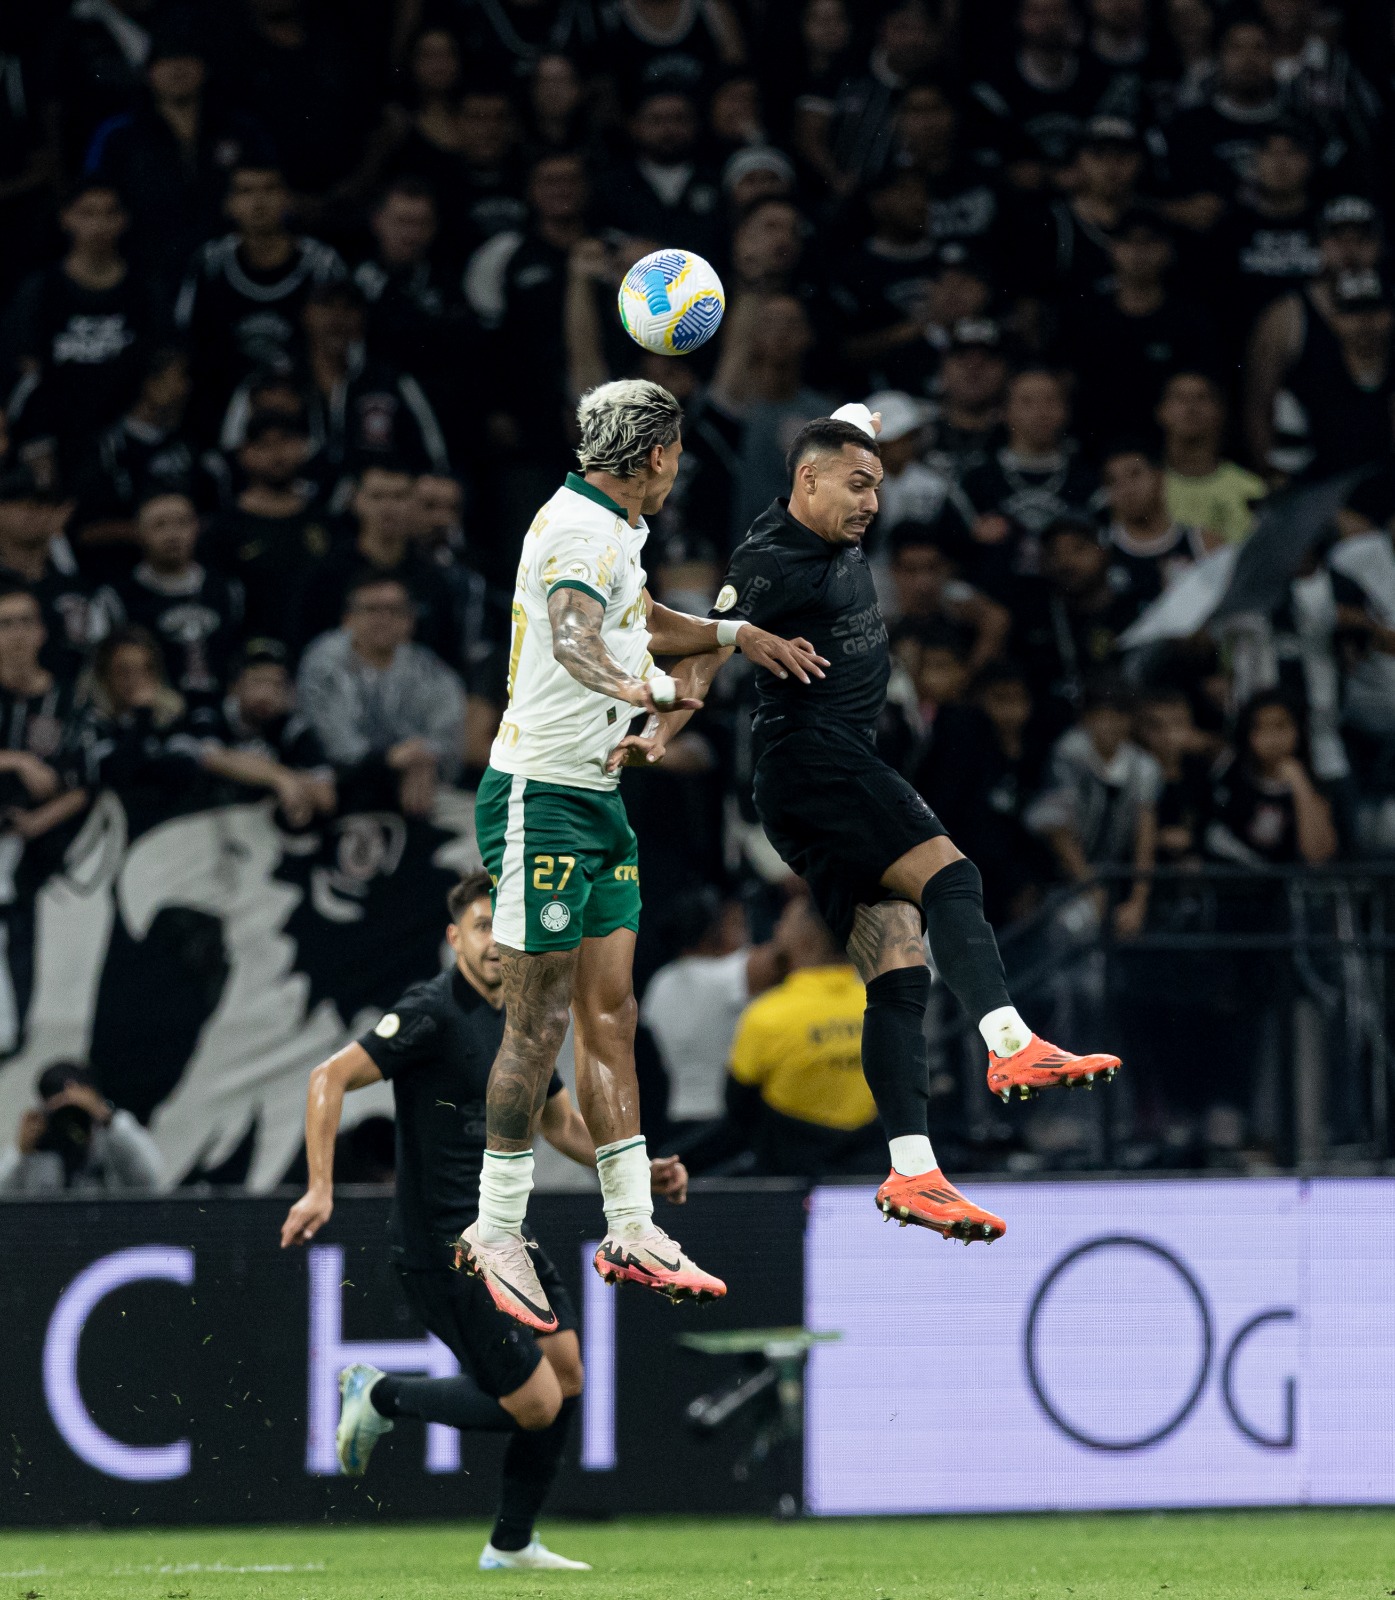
(577, 644)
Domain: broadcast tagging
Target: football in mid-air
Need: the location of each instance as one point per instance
(671, 302)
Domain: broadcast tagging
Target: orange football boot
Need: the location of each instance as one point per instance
(1039, 1065)
(930, 1200)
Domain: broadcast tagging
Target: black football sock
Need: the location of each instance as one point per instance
(961, 942)
(895, 1060)
(458, 1402)
(530, 1465)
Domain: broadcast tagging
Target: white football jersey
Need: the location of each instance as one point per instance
(555, 729)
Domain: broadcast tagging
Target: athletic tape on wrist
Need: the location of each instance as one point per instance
(727, 631)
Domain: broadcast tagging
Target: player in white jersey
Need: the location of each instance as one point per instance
(559, 850)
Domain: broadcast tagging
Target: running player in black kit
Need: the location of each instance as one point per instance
(436, 1047)
(877, 860)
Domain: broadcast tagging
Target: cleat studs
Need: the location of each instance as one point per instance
(1005, 1095)
(1025, 1092)
(905, 1212)
(1087, 1083)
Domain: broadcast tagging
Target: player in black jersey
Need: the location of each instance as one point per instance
(436, 1047)
(877, 860)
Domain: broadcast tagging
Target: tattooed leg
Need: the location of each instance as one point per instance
(887, 950)
(537, 994)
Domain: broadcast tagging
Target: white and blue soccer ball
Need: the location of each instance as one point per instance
(671, 302)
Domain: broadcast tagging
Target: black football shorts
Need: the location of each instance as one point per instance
(500, 1353)
(839, 817)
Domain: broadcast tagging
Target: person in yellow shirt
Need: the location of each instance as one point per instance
(1203, 489)
(795, 1087)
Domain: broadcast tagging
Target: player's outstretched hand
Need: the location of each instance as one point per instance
(305, 1219)
(634, 750)
(669, 1177)
(783, 657)
(643, 700)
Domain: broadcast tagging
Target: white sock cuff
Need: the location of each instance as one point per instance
(623, 1168)
(506, 1181)
(606, 1152)
(1004, 1031)
(912, 1154)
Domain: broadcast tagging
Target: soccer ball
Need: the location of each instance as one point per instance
(671, 302)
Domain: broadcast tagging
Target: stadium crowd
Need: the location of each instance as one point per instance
(297, 298)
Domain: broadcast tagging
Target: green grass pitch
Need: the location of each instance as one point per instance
(1223, 1556)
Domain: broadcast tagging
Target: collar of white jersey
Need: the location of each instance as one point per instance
(578, 485)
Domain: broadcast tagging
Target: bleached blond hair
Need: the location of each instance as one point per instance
(621, 423)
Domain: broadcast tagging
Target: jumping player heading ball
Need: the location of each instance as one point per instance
(876, 858)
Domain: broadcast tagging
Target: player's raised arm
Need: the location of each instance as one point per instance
(351, 1068)
(675, 633)
(577, 645)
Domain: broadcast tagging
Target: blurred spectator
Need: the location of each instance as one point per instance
(927, 592)
(1266, 807)
(1296, 341)
(137, 739)
(1211, 147)
(415, 318)
(966, 413)
(1125, 346)
(796, 1095)
(649, 46)
(144, 452)
(195, 613)
(760, 399)
(1203, 489)
(1068, 631)
(76, 1140)
(910, 491)
(661, 190)
(1036, 477)
(35, 553)
(853, 139)
(360, 411)
(256, 738)
(291, 68)
(241, 302)
(76, 333)
(962, 176)
(273, 536)
(381, 704)
(692, 1005)
(1145, 539)
(886, 286)
(1077, 265)
(169, 157)
(1099, 804)
(384, 508)
(1014, 864)
(37, 712)
(1043, 95)
(1267, 243)
(1163, 726)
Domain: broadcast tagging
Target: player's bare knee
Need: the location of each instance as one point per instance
(535, 1404)
(563, 1353)
(886, 937)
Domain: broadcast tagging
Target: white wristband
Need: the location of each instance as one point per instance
(727, 630)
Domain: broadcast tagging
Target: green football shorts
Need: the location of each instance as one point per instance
(564, 862)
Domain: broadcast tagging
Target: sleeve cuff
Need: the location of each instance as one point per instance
(576, 583)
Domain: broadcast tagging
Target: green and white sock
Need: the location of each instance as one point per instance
(506, 1181)
(623, 1168)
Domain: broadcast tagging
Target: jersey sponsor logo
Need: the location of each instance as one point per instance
(555, 916)
(629, 874)
(726, 599)
(388, 1025)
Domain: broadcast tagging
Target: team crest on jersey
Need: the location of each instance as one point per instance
(554, 916)
(726, 599)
